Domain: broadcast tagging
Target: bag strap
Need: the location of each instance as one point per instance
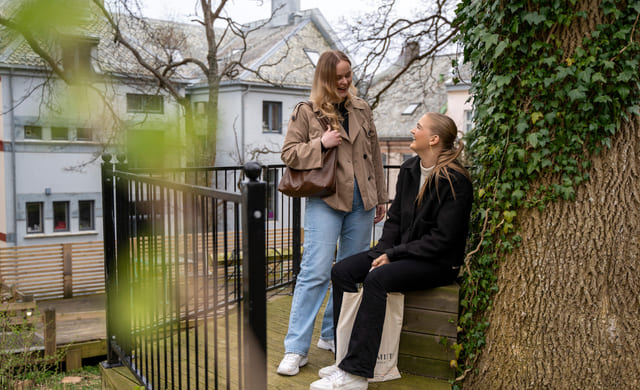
(324, 121)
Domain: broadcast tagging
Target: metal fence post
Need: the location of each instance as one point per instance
(123, 260)
(108, 226)
(254, 305)
(297, 239)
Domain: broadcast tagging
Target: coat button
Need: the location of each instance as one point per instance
(365, 156)
(369, 178)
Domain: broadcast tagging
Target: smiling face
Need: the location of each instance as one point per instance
(343, 79)
(423, 137)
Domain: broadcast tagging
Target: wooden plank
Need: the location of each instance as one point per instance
(429, 321)
(49, 332)
(14, 306)
(427, 345)
(443, 298)
(118, 378)
(424, 366)
(67, 270)
(73, 359)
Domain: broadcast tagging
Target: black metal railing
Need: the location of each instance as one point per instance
(186, 303)
(176, 266)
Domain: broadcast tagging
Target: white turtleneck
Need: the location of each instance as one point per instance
(425, 173)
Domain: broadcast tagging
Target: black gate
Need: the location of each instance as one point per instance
(185, 275)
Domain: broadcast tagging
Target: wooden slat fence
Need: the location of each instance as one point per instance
(54, 270)
(75, 269)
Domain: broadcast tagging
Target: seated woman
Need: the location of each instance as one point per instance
(422, 246)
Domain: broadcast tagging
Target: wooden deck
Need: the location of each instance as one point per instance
(80, 326)
(277, 320)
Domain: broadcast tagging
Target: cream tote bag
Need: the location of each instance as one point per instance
(387, 362)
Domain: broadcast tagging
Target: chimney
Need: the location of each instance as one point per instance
(282, 10)
(410, 50)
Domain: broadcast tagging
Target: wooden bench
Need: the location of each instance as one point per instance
(429, 330)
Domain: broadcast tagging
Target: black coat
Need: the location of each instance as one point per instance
(438, 230)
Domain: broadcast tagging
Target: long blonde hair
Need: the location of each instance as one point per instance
(445, 128)
(323, 89)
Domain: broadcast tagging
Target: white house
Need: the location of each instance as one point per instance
(52, 135)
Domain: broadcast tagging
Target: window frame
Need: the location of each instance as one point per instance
(145, 103)
(56, 221)
(41, 217)
(82, 129)
(469, 118)
(267, 109)
(56, 137)
(92, 216)
(29, 128)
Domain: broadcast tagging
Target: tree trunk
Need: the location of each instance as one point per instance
(567, 315)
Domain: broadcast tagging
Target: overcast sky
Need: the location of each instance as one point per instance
(249, 10)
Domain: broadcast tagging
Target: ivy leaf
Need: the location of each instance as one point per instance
(509, 215)
(534, 18)
(536, 116)
(577, 93)
(533, 139)
(635, 109)
(501, 46)
(517, 194)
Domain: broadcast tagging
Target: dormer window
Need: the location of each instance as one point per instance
(313, 56)
(411, 109)
(76, 55)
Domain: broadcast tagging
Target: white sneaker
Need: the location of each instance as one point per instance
(327, 371)
(329, 345)
(291, 363)
(340, 380)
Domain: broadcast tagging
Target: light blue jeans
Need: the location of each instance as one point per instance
(323, 228)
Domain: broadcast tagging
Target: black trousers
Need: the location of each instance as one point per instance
(397, 276)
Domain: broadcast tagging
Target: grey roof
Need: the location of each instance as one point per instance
(424, 84)
(276, 51)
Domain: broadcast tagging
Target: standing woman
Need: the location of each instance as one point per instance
(344, 218)
(422, 246)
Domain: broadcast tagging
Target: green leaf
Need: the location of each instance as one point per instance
(534, 18)
(500, 48)
(536, 116)
(577, 94)
(532, 139)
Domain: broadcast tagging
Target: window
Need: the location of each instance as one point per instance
(272, 117)
(468, 120)
(60, 216)
(85, 215)
(59, 133)
(32, 132)
(411, 108)
(84, 134)
(150, 104)
(406, 156)
(34, 217)
(271, 178)
(200, 108)
(313, 55)
(76, 55)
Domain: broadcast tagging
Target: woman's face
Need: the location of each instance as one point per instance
(343, 78)
(422, 135)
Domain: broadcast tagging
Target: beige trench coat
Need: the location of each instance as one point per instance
(358, 154)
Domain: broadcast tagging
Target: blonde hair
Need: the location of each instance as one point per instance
(323, 89)
(445, 128)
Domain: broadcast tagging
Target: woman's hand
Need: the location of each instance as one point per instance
(380, 210)
(380, 260)
(331, 138)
